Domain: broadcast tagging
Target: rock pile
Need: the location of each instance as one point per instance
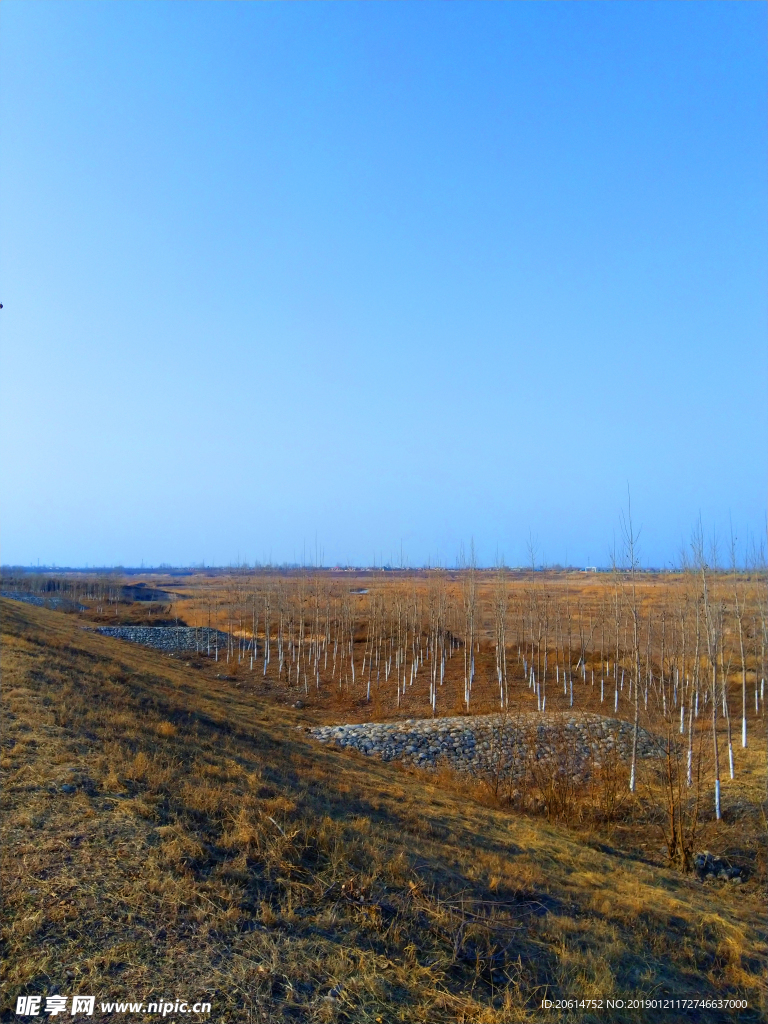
(708, 868)
(171, 638)
(47, 601)
(493, 742)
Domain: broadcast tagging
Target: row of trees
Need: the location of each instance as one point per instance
(669, 646)
(682, 655)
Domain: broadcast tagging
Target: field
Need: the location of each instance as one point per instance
(171, 831)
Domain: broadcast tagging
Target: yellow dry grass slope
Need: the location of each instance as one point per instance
(204, 848)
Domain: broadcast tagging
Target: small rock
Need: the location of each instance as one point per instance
(298, 705)
(66, 788)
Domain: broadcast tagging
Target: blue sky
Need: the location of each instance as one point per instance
(380, 276)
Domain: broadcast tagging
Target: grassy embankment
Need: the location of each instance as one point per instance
(210, 850)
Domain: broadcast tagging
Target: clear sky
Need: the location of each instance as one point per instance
(375, 276)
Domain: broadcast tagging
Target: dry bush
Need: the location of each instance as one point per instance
(555, 775)
(609, 793)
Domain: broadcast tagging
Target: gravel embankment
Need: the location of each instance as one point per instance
(42, 600)
(484, 742)
(170, 638)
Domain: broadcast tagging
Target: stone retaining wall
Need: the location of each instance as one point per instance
(484, 743)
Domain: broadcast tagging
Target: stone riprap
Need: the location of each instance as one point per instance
(42, 600)
(485, 743)
(709, 868)
(171, 638)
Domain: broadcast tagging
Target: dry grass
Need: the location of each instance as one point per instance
(211, 850)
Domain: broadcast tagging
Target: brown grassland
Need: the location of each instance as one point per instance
(208, 849)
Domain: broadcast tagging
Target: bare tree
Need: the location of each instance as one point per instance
(469, 590)
(631, 555)
(739, 607)
(713, 631)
